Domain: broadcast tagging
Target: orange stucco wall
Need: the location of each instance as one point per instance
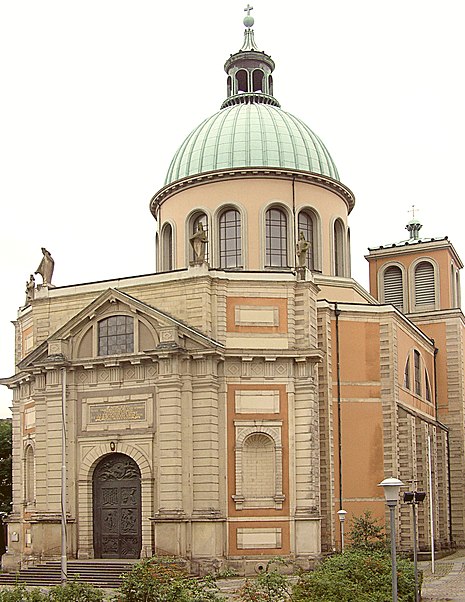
(361, 417)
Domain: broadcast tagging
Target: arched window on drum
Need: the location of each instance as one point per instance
(167, 248)
(230, 239)
(276, 238)
(339, 248)
(306, 224)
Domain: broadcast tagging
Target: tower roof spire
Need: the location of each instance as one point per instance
(414, 226)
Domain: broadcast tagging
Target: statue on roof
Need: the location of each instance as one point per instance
(199, 243)
(45, 268)
(30, 289)
(301, 249)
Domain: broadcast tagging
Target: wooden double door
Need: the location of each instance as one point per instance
(117, 508)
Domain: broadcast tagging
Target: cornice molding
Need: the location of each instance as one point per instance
(251, 172)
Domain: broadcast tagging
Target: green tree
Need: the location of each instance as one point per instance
(366, 533)
(5, 465)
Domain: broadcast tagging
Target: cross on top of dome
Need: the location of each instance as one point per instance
(248, 20)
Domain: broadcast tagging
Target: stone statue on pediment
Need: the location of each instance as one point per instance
(30, 289)
(45, 268)
(301, 250)
(199, 243)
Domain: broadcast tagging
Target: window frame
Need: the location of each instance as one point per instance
(313, 260)
(237, 252)
(167, 264)
(116, 317)
(414, 307)
(339, 246)
(272, 429)
(284, 229)
(191, 227)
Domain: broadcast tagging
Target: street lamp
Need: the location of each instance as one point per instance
(391, 488)
(342, 516)
(413, 497)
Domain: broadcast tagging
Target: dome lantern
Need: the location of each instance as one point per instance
(251, 129)
(249, 72)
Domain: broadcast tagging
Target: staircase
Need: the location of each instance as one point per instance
(100, 573)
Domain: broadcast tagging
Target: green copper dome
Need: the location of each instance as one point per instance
(251, 135)
(250, 130)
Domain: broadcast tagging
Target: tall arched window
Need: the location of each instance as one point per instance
(258, 469)
(425, 293)
(230, 239)
(167, 248)
(427, 387)
(457, 288)
(417, 372)
(275, 238)
(200, 218)
(306, 224)
(339, 248)
(393, 287)
(407, 374)
(30, 476)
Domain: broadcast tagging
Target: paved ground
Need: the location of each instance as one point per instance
(448, 580)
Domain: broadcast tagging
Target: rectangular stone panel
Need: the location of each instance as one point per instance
(116, 412)
(262, 538)
(256, 402)
(249, 315)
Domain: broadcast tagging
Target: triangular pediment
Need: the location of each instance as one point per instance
(155, 332)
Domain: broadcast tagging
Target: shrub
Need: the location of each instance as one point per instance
(267, 586)
(19, 593)
(162, 580)
(75, 592)
(356, 576)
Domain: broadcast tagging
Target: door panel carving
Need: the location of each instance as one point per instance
(117, 508)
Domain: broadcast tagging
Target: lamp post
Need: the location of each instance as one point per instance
(342, 517)
(391, 488)
(413, 497)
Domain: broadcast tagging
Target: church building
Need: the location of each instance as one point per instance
(226, 407)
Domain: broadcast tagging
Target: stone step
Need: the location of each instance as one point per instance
(98, 573)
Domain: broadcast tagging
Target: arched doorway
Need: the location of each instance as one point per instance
(117, 508)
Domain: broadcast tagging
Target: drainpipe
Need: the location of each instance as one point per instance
(64, 560)
(295, 228)
(337, 313)
(451, 532)
(435, 374)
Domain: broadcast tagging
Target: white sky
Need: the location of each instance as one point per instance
(97, 95)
